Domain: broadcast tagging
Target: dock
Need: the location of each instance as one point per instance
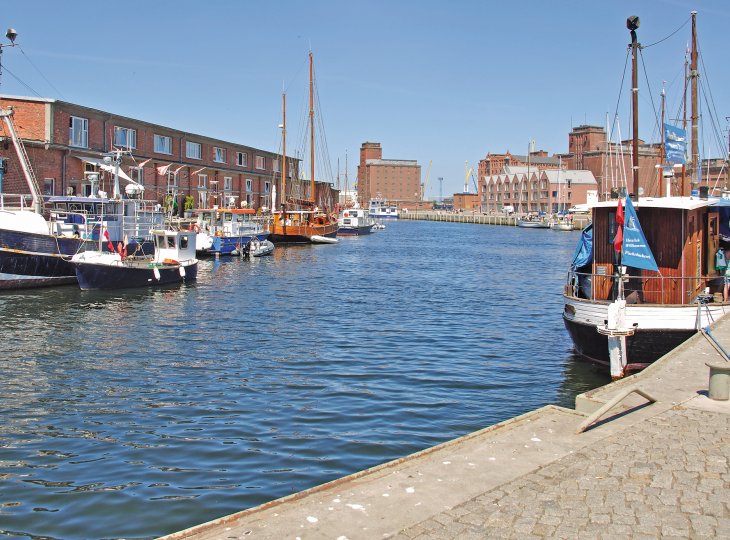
(579, 221)
(645, 469)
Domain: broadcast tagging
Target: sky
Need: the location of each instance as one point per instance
(432, 81)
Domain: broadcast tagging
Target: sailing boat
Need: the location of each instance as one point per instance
(563, 223)
(299, 220)
(619, 308)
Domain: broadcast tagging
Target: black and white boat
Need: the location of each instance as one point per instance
(38, 239)
(355, 221)
(173, 262)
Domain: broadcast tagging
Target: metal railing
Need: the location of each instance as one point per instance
(7, 201)
(641, 289)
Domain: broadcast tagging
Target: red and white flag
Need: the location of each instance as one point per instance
(145, 162)
(162, 169)
(196, 172)
(178, 170)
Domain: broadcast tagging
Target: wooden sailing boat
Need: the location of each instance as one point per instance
(622, 311)
(299, 220)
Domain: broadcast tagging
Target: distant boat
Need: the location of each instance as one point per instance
(173, 262)
(380, 208)
(300, 221)
(562, 225)
(224, 231)
(533, 223)
(355, 221)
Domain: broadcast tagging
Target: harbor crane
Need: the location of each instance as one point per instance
(469, 171)
(425, 182)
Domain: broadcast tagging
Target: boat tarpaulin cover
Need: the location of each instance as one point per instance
(584, 250)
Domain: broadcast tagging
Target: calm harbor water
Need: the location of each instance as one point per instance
(141, 413)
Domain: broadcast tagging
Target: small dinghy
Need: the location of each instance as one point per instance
(259, 248)
(317, 239)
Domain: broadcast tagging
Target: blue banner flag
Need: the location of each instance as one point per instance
(675, 144)
(635, 251)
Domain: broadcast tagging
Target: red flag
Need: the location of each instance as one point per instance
(618, 240)
(109, 242)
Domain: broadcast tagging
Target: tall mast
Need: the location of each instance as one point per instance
(311, 121)
(632, 23)
(683, 190)
(283, 148)
(693, 78)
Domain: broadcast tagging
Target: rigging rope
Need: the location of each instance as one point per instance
(670, 35)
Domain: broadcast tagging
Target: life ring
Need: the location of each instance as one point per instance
(195, 228)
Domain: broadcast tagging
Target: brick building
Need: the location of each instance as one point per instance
(534, 190)
(467, 202)
(396, 180)
(65, 141)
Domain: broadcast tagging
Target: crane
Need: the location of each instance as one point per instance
(469, 171)
(425, 182)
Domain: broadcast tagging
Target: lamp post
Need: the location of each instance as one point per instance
(11, 34)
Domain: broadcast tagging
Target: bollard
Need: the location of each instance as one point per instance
(719, 388)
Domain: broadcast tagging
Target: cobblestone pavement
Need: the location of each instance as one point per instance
(667, 477)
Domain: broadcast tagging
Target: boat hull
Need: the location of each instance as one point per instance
(42, 259)
(659, 328)
(533, 224)
(93, 276)
(231, 245)
(355, 231)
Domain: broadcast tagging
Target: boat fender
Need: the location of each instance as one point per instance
(182, 272)
(156, 272)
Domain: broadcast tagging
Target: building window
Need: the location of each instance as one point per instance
(219, 154)
(78, 129)
(267, 187)
(137, 174)
(48, 186)
(163, 144)
(202, 191)
(275, 165)
(260, 163)
(125, 137)
(249, 185)
(227, 183)
(242, 159)
(194, 150)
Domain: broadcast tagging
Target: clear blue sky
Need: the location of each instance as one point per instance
(442, 81)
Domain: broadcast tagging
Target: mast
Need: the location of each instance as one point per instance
(693, 80)
(663, 151)
(632, 23)
(311, 121)
(283, 149)
(683, 188)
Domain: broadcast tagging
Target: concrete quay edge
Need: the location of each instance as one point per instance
(396, 496)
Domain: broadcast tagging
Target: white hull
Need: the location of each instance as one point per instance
(644, 316)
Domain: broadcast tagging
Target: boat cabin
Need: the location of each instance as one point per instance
(683, 234)
(174, 246)
(227, 221)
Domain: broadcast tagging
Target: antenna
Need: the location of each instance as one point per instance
(441, 189)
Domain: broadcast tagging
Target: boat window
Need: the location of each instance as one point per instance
(184, 241)
(171, 241)
(60, 206)
(74, 207)
(158, 241)
(611, 227)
